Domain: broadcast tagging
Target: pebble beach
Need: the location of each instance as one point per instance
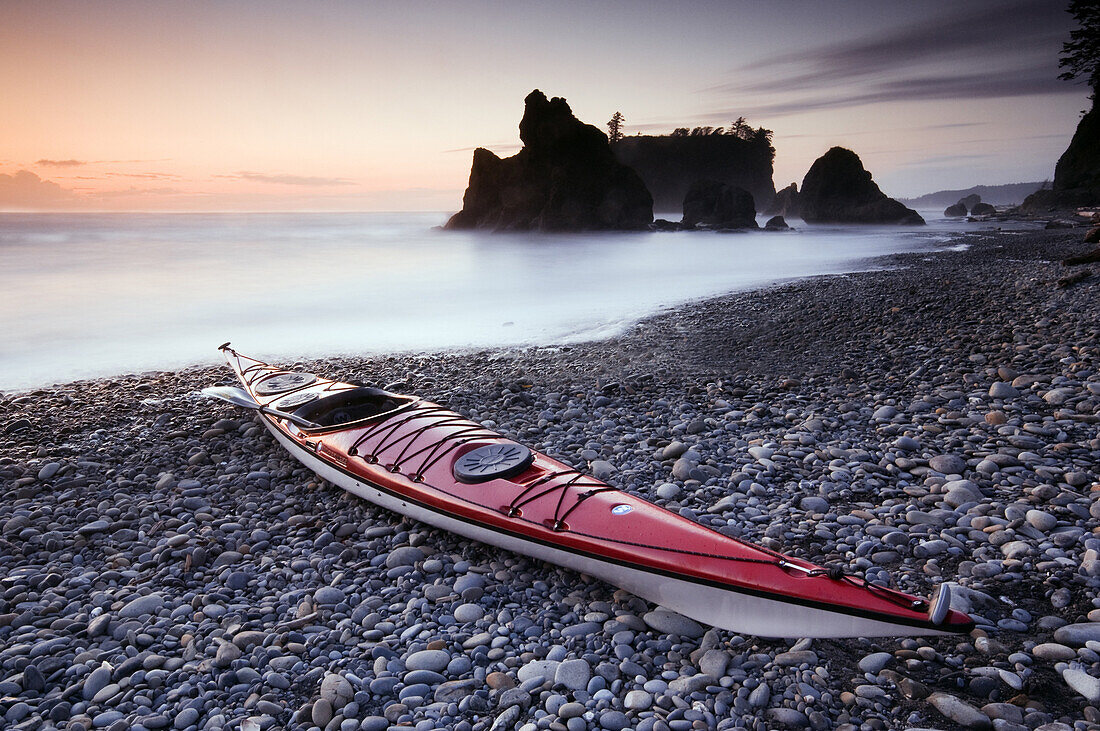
(164, 564)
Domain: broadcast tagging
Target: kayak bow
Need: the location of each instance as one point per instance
(429, 463)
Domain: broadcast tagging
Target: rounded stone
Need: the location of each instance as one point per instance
(434, 660)
(959, 711)
(1041, 520)
(186, 717)
(573, 674)
(336, 690)
(948, 464)
(537, 669)
(673, 623)
(322, 712)
(1054, 652)
(1078, 634)
(404, 556)
(1003, 390)
(875, 662)
(468, 613)
(614, 720)
(328, 596)
(142, 605)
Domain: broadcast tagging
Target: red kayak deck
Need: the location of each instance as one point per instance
(410, 452)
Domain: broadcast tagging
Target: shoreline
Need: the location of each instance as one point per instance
(842, 418)
(585, 336)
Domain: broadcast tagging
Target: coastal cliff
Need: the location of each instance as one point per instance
(1077, 175)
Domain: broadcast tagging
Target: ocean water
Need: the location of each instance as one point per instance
(88, 295)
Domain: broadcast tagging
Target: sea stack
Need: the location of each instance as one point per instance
(785, 203)
(712, 204)
(564, 179)
(670, 164)
(837, 189)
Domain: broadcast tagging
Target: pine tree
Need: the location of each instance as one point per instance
(615, 127)
(1081, 54)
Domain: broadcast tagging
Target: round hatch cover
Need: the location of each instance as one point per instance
(493, 462)
(281, 382)
(295, 400)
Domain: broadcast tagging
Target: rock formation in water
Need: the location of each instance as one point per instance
(970, 200)
(837, 189)
(1077, 175)
(971, 204)
(776, 223)
(785, 203)
(670, 164)
(564, 179)
(714, 204)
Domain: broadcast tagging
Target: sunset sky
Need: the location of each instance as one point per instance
(366, 105)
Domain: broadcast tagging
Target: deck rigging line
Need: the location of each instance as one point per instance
(435, 416)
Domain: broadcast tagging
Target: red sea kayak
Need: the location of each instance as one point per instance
(427, 462)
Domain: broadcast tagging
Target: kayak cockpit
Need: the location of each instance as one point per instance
(342, 409)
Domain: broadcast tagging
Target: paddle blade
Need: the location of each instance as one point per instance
(232, 394)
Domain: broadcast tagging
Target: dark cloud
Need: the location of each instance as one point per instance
(24, 189)
(1013, 47)
(1009, 83)
(1025, 26)
(60, 163)
(306, 180)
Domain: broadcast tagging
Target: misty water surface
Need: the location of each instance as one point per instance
(101, 294)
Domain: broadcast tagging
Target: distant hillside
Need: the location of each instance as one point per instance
(1010, 194)
(670, 164)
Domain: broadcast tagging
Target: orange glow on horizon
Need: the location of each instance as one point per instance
(147, 105)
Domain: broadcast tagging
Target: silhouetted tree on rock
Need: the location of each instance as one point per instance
(1081, 53)
(615, 127)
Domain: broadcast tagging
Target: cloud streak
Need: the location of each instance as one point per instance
(280, 179)
(49, 163)
(135, 191)
(1001, 52)
(60, 163)
(1026, 26)
(145, 176)
(986, 85)
(943, 160)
